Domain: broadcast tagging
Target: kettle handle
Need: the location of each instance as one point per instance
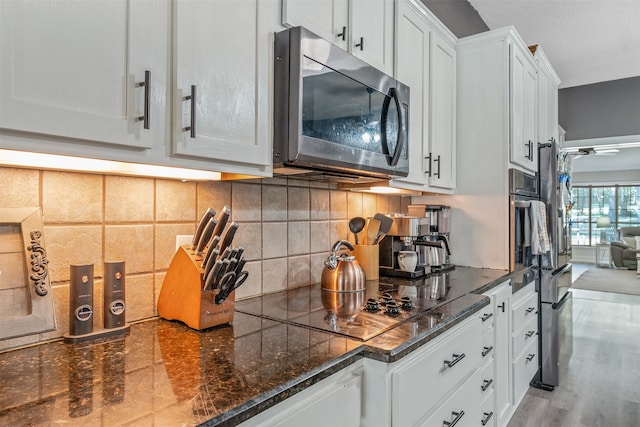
(332, 262)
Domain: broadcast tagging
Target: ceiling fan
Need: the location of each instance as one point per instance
(578, 152)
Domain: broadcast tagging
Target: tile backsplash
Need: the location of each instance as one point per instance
(287, 227)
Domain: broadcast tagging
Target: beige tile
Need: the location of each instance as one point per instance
(298, 271)
(274, 275)
(71, 197)
(245, 202)
(404, 204)
(274, 203)
(65, 245)
(382, 204)
(299, 203)
(319, 204)
(292, 182)
(165, 242)
(128, 199)
(139, 294)
(157, 287)
(253, 286)
(61, 308)
(339, 230)
(277, 180)
(354, 204)
(175, 201)
(298, 238)
(320, 235)
(215, 194)
(338, 202)
(317, 265)
(249, 236)
(274, 240)
(132, 244)
(369, 205)
(19, 188)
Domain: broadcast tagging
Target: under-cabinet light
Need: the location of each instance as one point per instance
(26, 159)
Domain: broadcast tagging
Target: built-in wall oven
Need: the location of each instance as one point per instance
(334, 112)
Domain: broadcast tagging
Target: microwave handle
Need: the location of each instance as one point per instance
(392, 160)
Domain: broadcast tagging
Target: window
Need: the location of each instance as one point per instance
(619, 203)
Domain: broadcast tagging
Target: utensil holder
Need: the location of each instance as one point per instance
(368, 256)
(182, 298)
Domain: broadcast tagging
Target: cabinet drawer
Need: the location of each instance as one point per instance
(487, 347)
(487, 318)
(463, 405)
(487, 382)
(524, 311)
(487, 411)
(524, 368)
(525, 335)
(430, 375)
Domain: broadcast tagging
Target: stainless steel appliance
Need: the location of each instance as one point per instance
(554, 270)
(404, 231)
(556, 306)
(334, 113)
(433, 242)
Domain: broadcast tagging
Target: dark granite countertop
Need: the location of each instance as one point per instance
(164, 373)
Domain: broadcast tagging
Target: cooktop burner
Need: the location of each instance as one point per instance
(387, 304)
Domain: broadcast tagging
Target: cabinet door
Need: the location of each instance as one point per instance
(327, 18)
(502, 354)
(72, 68)
(443, 113)
(221, 74)
(412, 69)
(372, 32)
(523, 88)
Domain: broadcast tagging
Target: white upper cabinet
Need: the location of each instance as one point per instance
(548, 82)
(497, 101)
(443, 113)
(524, 89)
(222, 77)
(426, 62)
(362, 27)
(74, 69)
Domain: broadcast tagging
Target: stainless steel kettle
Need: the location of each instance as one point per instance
(343, 285)
(342, 272)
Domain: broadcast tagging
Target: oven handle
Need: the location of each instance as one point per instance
(392, 160)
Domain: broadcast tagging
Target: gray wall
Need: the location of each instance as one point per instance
(458, 15)
(600, 110)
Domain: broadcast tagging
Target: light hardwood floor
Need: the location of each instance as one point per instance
(601, 383)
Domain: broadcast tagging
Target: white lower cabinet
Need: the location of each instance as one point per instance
(427, 386)
(334, 401)
(524, 336)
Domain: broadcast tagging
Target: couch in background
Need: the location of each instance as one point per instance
(623, 253)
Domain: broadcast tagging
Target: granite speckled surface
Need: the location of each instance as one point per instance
(164, 373)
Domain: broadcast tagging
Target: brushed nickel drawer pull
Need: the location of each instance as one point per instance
(486, 350)
(457, 416)
(487, 417)
(191, 97)
(529, 334)
(486, 384)
(530, 357)
(486, 316)
(147, 93)
(456, 359)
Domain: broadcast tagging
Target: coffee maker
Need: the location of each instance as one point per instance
(433, 244)
(400, 238)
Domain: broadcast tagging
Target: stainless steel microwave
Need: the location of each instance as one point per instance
(334, 112)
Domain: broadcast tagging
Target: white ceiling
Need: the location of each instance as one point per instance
(587, 41)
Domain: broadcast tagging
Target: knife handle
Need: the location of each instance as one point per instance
(212, 244)
(210, 280)
(228, 238)
(208, 214)
(211, 261)
(223, 218)
(206, 236)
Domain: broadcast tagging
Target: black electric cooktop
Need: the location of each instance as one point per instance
(388, 303)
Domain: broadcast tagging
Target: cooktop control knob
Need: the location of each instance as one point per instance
(406, 303)
(392, 309)
(372, 305)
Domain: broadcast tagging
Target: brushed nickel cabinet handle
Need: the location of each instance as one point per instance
(487, 417)
(530, 357)
(456, 359)
(457, 415)
(486, 316)
(361, 44)
(428, 172)
(486, 350)
(192, 98)
(486, 384)
(146, 84)
(343, 34)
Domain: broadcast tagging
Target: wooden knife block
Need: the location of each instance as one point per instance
(182, 298)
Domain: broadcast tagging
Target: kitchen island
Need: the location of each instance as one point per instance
(164, 373)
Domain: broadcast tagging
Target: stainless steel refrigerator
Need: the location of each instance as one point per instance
(554, 280)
